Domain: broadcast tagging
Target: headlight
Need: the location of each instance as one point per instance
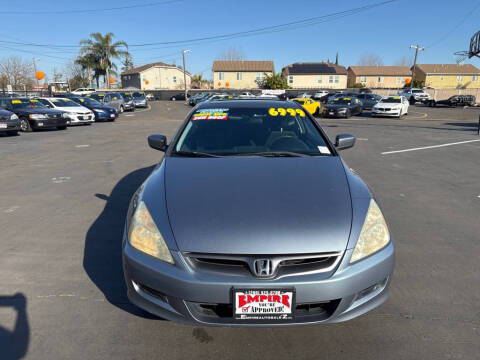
(98, 110)
(37, 116)
(144, 235)
(14, 117)
(374, 235)
(341, 110)
(66, 115)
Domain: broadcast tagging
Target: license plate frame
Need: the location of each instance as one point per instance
(3, 126)
(268, 317)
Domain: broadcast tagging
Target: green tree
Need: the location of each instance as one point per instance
(127, 62)
(103, 49)
(273, 81)
(336, 59)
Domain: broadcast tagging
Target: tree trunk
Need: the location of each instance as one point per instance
(107, 74)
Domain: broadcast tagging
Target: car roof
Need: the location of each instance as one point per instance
(240, 104)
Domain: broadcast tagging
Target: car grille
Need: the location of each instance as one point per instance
(283, 265)
(53, 116)
(384, 109)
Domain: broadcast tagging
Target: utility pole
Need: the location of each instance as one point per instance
(185, 74)
(417, 48)
(35, 69)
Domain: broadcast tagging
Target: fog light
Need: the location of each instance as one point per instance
(371, 289)
(40, 124)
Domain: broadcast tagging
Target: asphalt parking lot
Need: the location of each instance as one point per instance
(63, 199)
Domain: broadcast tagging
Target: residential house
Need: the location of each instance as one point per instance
(379, 76)
(240, 74)
(442, 76)
(322, 75)
(155, 76)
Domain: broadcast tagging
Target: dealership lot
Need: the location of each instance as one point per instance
(64, 196)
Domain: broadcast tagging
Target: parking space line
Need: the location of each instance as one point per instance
(429, 147)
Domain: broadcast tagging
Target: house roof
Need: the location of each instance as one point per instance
(380, 70)
(139, 69)
(314, 69)
(243, 66)
(448, 68)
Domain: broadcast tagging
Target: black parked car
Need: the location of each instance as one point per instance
(101, 111)
(455, 100)
(369, 100)
(9, 123)
(343, 107)
(34, 115)
(179, 96)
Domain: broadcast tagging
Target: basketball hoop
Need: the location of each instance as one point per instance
(460, 57)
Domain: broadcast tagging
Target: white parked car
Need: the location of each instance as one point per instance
(83, 91)
(391, 106)
(246, 94)
(320, 94)
(73, 112)
(414, 95)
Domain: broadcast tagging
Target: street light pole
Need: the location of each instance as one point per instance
(417, 48)
(185, 74)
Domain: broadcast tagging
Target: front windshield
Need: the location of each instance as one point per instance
(341, 101)
(127, 96)
(395, 99)
(138, 95)
(89, 102)
(251, 131)
(97, 97)
(417, 91)
(299, 101)
(64, 103)
(26, 103)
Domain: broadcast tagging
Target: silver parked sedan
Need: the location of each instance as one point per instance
(253, 219)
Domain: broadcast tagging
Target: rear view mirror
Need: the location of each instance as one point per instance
(158, 142)
(344, 141)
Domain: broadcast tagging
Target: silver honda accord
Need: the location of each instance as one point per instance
(253, 219)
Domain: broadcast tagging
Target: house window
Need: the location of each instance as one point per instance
(319, 80)
(330, 79)
(400, 80)
(239, 76)
(290, 79)
(475, 78)
(363, 79)
(459, 78)
(259, 76)
(380, 79)
(337, 79)
(174, 79)
(221, 76)
(441, 77)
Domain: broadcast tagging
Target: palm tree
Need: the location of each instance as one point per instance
(104, 51)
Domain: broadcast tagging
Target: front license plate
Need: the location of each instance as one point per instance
(3, 126)
(112, 115)
(331, 113)
(267, 305)
(80, 118)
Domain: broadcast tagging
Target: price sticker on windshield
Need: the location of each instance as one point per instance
(397, 97)
(16, 101)
(285, 111)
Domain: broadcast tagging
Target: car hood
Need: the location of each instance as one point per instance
(385, 104)
(258, 205)
(72, 109)
(335, 106)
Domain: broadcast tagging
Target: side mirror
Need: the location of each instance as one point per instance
(344, 141)
(158, 142)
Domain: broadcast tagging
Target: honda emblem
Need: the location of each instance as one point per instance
(263, 268)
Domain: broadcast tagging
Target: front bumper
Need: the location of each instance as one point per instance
(334, 114)
(47, 123)
(129, 106)
(393, 112)
(10, 125)
(141, 104)
(179, 294)
(105, 115)
(75, 119)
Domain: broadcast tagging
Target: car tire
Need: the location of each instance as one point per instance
(25, 125)
(412, 101)
(12, 133)
(64, 127)
(121, 109)
(400, 114)
(348, 114)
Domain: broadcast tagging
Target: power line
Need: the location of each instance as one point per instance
(78, 11)
(254, 32)
(460, 23)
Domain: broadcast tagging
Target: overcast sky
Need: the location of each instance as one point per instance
(442, 26)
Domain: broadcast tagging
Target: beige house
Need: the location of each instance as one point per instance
(156, 76)
(448, 76)
(379, 76)
(322, 75)
(240, 74)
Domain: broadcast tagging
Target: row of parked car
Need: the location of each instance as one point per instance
(29, 114)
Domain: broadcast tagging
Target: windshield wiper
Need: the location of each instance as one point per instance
(275, 154)
(193, 154)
